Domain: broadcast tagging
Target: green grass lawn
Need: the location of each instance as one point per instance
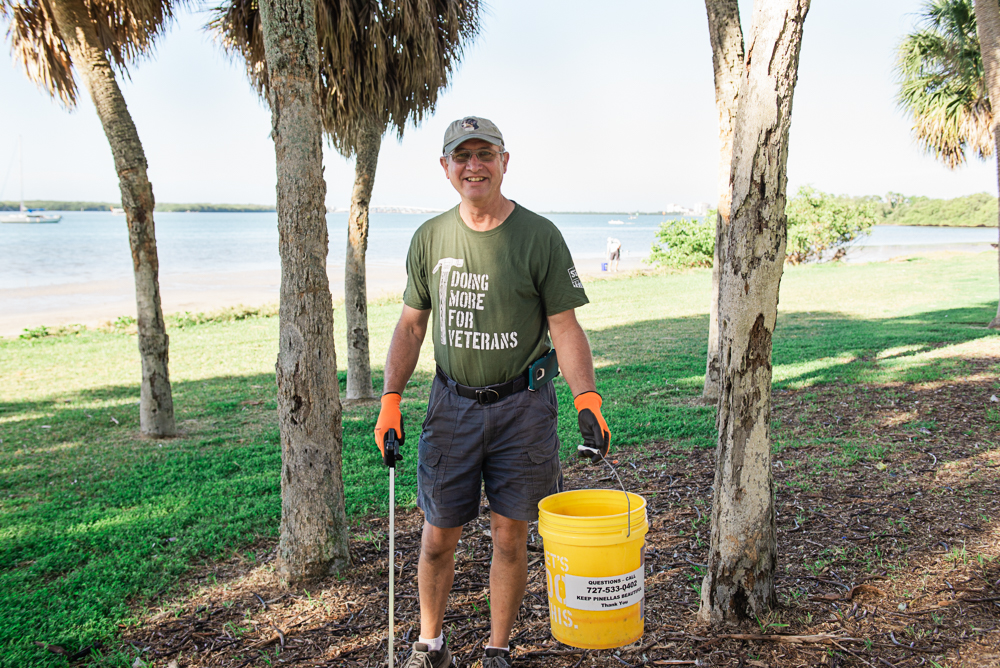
(95, 520)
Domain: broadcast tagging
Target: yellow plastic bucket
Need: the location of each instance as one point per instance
(594, 565)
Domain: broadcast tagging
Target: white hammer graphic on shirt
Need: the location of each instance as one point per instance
(445, 264)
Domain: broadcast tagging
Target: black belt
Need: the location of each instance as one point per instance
(490, 394)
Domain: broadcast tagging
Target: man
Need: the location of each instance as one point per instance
(498, 280)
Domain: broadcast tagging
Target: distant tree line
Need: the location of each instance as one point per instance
(58, 206)
(215, 208)
(979, 210)
(53, 205)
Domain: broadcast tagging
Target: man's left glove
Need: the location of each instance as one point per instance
(596, 435)
(390, 417)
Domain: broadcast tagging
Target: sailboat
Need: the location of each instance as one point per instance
(26, 215)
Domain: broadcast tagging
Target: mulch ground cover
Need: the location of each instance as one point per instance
(887, 500)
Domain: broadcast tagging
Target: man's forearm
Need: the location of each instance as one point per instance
(575, 360)
(404, 351)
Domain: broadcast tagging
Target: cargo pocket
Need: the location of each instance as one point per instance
(541, 442)
(545, 469)
(428, 466)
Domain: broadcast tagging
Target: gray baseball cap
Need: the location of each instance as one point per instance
(471, 127)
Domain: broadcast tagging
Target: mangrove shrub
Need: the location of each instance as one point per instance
(820, 227)
(820, 224)
(685, 242)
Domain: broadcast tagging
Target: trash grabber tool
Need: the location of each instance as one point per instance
(392, 455)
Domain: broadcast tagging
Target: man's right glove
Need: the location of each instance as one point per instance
(390, 417)
(596, 435)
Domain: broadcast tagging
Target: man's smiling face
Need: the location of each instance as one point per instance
(477, 182)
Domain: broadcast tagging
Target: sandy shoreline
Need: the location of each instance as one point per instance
(96, 302)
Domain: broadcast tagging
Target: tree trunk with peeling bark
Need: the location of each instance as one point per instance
(313, 541)
(156, 404)
(359, 370)
(988, 29)
(740, 580)
(726, 36)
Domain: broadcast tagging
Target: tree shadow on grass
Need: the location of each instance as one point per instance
(813, 347)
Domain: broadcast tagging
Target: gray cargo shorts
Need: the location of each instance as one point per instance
(511, 447)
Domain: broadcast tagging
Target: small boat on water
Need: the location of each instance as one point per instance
(117, 211)
(26, 215)
(616, 222)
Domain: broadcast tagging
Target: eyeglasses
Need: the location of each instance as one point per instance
(483, 155)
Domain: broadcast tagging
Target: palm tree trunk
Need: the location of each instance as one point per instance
(359, 370)
(156, 404)
(988, 29)
(313, 540)
(741, 562)
(727, 61)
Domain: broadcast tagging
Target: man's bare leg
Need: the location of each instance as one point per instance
(435, 574)
(508, 575)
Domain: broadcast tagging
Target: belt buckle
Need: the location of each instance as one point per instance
(483, 396)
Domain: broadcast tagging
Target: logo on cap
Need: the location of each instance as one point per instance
(470, 124)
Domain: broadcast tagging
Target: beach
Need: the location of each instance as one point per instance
(79, 272)
(92, 303)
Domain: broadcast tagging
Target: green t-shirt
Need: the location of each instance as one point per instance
(491, 292)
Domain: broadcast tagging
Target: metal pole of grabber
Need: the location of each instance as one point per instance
(392, 557)
(391, 454)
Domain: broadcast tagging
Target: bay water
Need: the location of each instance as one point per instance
(93, 246)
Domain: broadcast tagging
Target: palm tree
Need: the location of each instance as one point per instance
(350, 68)
(988, 30)
(382, 65)
(314, 539)
(95, 38)
(943, 85)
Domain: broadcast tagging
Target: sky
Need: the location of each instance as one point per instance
(603, 106)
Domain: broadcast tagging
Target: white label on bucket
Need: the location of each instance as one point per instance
(610, 593)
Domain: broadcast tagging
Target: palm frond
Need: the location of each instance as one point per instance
(127, 30)
(382, 63)
(942, 84)
(35, 43)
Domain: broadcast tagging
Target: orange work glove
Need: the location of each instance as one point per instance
(596, 435)
(390, 417)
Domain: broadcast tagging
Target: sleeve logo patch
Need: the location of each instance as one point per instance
(574, 277)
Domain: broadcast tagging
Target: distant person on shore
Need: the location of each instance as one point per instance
(498, 280)
(614, 253)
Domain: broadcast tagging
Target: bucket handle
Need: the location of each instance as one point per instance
(628, 501)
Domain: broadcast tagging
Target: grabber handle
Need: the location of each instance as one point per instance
(391, 452)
